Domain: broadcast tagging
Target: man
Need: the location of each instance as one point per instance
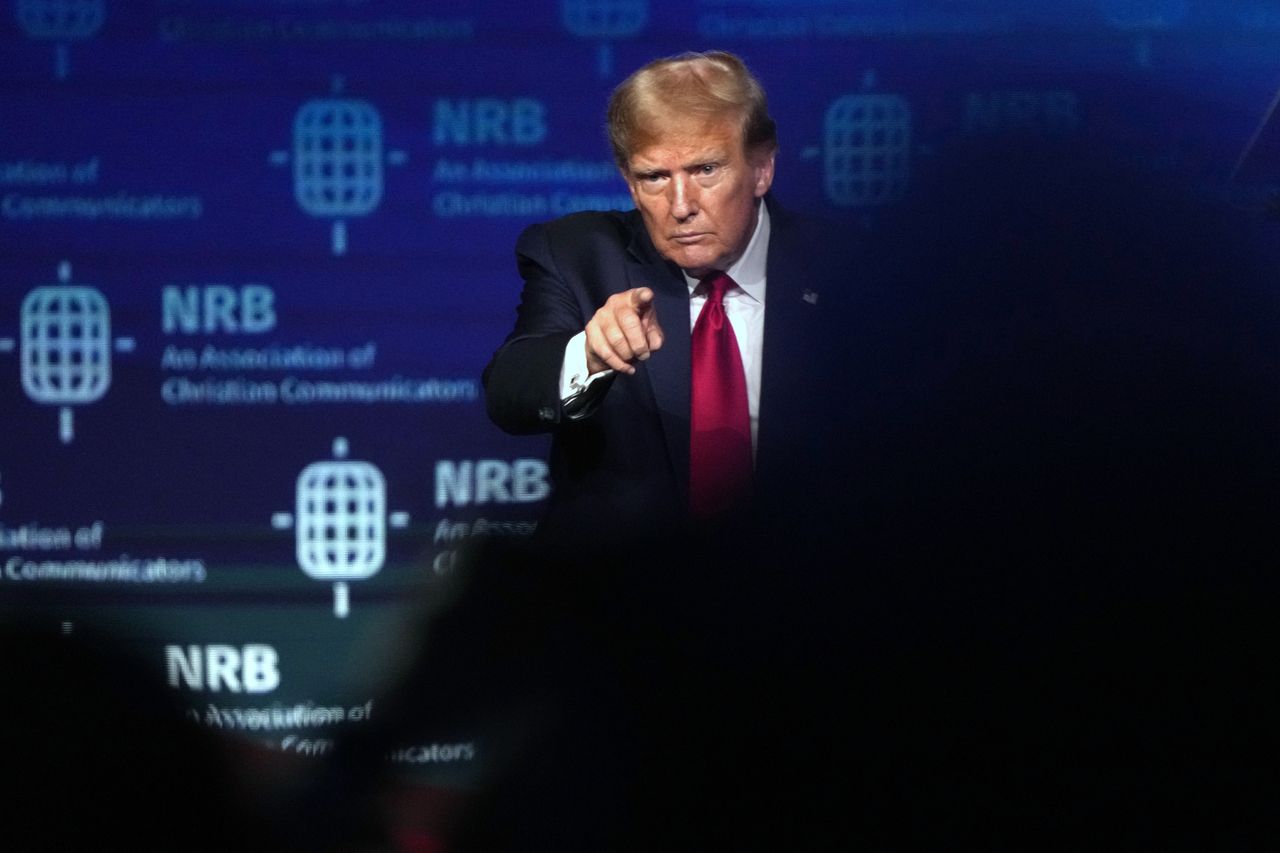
(1065, 458)
(601, 352)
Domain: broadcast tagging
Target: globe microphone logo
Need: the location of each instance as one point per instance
(866, 148)
(604, 19)
(340, 522)
(60, 21)
(65, 347)
(338, 160)
(1142, 18)
(1145, 14)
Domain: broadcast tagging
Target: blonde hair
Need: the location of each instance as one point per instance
(708, 86)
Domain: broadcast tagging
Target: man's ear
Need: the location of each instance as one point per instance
(762, 168)
(631, 187)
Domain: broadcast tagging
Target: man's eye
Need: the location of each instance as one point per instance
(707, 169)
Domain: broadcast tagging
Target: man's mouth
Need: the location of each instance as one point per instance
(688, 239)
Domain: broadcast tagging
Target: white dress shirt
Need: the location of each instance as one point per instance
(744, 306)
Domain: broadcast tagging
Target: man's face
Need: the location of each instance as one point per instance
(696, 189)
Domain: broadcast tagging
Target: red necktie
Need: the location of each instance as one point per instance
(720, 427)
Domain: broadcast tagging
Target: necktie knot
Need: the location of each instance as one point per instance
(716, 284)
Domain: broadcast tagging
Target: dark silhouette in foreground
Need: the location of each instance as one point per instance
(1027, 604)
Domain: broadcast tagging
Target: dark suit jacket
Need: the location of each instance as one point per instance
(629, 460)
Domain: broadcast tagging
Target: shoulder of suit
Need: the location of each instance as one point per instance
(792, 223)
(819, 239)
(591, 225)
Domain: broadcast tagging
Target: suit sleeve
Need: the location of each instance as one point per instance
(522, 380)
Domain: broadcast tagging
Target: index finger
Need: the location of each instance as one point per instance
(641, 297)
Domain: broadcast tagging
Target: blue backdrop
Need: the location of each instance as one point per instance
(254, 256)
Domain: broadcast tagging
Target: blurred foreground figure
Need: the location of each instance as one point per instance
(96, 755)
(1032, 608)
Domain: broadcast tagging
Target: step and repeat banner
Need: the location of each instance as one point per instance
(254, 255)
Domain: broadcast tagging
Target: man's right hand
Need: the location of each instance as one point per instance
(625, 330)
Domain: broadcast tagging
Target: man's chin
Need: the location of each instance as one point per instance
(695, 264)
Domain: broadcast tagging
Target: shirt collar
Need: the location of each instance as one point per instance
(748, 272)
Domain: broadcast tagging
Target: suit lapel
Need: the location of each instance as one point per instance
(667, 371)
(790, 326)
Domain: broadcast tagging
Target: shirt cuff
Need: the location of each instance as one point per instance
(574, 378)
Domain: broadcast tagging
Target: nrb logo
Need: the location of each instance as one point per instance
(866, 149)
(1145, 14)
(340, 522)
(60, 21)
(252, 668)
(338, 161)
(1142, 17)
(604, 19)
(65, 347)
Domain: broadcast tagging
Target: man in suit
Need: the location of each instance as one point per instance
(602, 347)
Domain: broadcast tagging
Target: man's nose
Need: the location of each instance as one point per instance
(684, 197)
